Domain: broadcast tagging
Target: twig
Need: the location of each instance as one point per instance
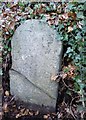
(68, 87)
(12, 99)
(71, 107)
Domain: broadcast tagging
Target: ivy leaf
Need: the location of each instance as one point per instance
(66, 37)
(70, 6)
(69, 50)
(80, 15)
(59, 36)
(84, 29)
(81, 108)
(78, 36)
(76, 86)
(61, 26)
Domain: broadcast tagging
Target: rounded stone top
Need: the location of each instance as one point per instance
(36, 55)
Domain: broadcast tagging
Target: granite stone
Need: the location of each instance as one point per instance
(36, 57)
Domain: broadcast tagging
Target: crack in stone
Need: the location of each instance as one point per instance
(34, 84)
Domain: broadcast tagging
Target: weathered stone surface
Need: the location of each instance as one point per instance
(29, 92)
(36, 53)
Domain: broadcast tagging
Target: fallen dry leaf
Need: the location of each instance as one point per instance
(72, 14)
(26, 112)
(22, 110)
(70, 29)
(5, 107)
(46, 116)
(64, 75)
(12, 24)
(1, 115)
(53, 78)
(7, 93)
(18, 115)
(31, 113)
(64, 16)
(37, 112)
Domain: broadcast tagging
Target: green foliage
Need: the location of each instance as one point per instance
(74, 38)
